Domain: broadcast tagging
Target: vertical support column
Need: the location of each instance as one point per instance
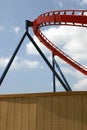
(54, 84)
(62, 75)
(26, 25)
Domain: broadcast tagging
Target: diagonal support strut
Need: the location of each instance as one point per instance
(48, 63)
(12, 58)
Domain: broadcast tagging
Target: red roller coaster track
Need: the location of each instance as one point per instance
(60, 17)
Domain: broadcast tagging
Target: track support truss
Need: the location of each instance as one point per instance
(67, 88)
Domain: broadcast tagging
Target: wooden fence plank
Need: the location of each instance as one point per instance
(63, 112)
(10, 114)
(4, 109)
(32, 111)
(55, 113)
(70, 113)
(40, 113)
(0, 108)
(78, 113)
(18, 116)
(47, 113)
(84, 112)
(25, 114)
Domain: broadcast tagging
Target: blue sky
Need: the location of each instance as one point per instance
(29, 73)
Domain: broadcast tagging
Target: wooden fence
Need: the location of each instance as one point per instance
(48, 111)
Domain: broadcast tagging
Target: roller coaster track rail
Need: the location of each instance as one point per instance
(60, 17)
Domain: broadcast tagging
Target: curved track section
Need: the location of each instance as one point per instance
(61, 17)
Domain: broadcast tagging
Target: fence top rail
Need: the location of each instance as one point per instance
(26, 95)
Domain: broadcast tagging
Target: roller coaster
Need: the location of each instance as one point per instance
(59, 17)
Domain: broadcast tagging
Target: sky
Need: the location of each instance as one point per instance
(29, 73)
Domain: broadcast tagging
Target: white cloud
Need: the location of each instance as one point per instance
(3, 62)
(82, 2)
(19, 63)
(71, 72)
(2, 28)
(15, 29)
(85, 1)
(72, 40)
(59, 3)
(24, 63)
(76, 44)
(81, 85)
(31, 50)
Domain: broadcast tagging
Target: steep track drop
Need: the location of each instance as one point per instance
(61, 17)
